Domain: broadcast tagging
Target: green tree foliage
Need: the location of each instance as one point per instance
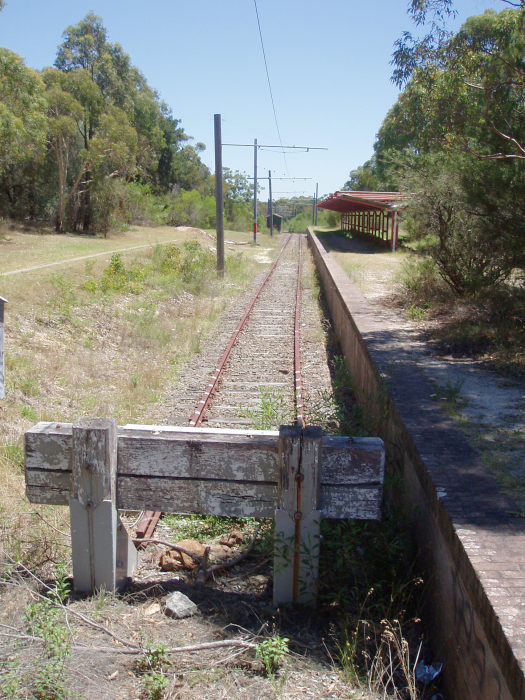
(22, 112)
(455, 138)
(471, 251)
(364, 178)
(90, 144)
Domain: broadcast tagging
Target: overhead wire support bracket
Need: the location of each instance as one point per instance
(263, 145)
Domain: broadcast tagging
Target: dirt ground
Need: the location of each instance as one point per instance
(488, 406)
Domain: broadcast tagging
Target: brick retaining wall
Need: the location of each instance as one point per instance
(472, 548)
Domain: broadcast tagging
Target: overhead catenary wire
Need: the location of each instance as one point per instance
(270, 84)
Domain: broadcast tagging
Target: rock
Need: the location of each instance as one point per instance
(172, 560)
(179, 606)
(232, 539)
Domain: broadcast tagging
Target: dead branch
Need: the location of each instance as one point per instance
(239, 643)
(203, 561)
(238, 559)
(176, 547)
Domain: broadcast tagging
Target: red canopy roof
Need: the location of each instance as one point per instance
(345, 201)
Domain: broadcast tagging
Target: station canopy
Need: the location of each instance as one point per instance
(355, 201)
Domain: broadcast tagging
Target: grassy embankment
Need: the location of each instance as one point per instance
(100, 338)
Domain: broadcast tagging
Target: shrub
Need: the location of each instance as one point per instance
(116, 278)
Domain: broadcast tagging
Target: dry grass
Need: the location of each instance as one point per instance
(72, 352)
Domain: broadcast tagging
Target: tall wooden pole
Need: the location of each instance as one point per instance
(271, 203)
(255, 190)
(219, 196)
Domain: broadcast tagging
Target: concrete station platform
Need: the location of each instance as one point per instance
(471, 543)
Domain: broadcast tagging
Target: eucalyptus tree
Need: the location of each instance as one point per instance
(73, 100)
(120, 85)
(22, 111)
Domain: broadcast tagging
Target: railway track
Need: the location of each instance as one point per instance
(261, 361)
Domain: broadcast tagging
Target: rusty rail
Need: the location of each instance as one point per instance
(149, 522)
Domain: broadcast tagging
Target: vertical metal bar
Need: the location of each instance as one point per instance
(316, 200)
(313, 211)
(271, 203)
(255, 190)
(219, 195)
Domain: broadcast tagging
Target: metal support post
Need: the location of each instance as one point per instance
(255, 190)
(316, 200)
(219, 195)
(297, 517)
(271, 203)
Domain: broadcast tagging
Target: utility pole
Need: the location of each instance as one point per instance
(313, 211)
(271, 204)
(219, 196)
(316, 198)
(255, 190)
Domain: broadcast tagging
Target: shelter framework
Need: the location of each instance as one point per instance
(371, 215)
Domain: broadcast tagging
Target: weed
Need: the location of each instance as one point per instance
(417, 313)
(273, 411)
(204, 527)
(62, 589)
(155, 683)
(272, 652)
(28, 412)
(43, 620)
(449, 394)
(151, 667)
(10, 681)
(116, 278)
(391, 667)
(14, 452)
(336, 411)
(64, 297)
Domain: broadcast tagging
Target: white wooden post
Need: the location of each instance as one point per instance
(2, 365)
(98, 538)
(297, 517)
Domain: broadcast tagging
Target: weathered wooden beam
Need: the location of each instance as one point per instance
(208, 471)
(297, 517)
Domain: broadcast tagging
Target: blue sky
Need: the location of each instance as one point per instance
(328, 64)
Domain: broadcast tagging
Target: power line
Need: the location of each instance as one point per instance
(269, 83)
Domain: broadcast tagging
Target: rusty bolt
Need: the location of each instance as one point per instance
(298, 515)
(299, 477)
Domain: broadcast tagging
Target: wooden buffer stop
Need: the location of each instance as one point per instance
(296, 476)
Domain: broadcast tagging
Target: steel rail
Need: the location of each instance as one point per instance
(149, 522)
(202, 405)
(297, 344)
